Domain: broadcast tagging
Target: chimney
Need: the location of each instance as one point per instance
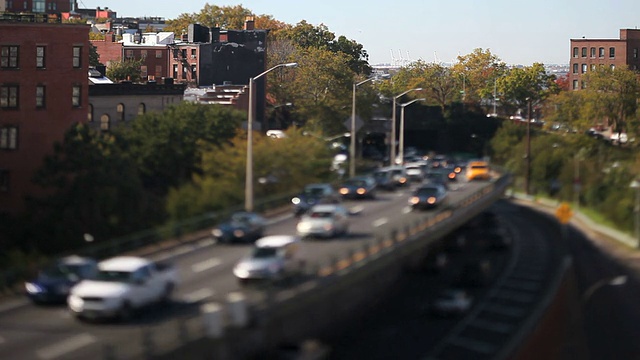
(249, 23)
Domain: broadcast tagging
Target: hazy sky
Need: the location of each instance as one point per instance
(519, 32)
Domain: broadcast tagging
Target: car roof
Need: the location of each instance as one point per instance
(325, 208)
(123, 263)
(76, 260)
(276, 240)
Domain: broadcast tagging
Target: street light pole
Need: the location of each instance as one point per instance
(401, 146)
(393, 125)
(352, 144)
(614, 281)
(635, 184)
(248, 185)
(527, 177)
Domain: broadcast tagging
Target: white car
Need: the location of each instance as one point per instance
(272, 258)
(122, 285)
(325, 221)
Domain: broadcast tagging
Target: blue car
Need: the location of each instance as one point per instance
(52, 284)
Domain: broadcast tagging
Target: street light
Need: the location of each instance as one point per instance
(402, 106)
(635, 184)
(248, 186)
(393, 124)
(352, 145)
(527, 176)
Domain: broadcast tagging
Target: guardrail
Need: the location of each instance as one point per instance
(332, 290)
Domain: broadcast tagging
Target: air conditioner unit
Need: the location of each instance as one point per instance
(193, 56)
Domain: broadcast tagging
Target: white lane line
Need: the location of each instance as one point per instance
(406, 209)
(356, 209)
(206, 265)
(199, 295)
(380, 222)
(66, 346)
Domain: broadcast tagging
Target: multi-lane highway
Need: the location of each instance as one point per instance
(49, 332)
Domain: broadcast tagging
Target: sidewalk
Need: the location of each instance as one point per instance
(617, 244)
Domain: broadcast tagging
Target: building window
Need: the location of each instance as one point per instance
(9, 96)
(40, 96)
(75, 96)
(4, 180)
(142, 108)
(575, 52)
(90, 113)
(612, 52)
(635, 53)
(120, 111)
(584, 52)
(175, 71)
(158, 71)
(612, 66)
(194, 68)
(593, 67)
(575, 84)
(584, 68)
(40, 59)
(129, 54)
(105, 122)
(601, 52)
(193, 53)
(143, 71)
(9, 57)
(575, 68)
(9, 138)
(143, 54)
(184, 71)
(158, 54)
(77, 56)
(592, 52)
(38, 6)
(583, 84)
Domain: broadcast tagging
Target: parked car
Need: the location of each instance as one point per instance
(324, 221)
(451, 302)
(53, 282)
(429, 196)
(272, 258)
(240, 227)
(312, 194)
(123, 285)
(358, 187)
(478, 170)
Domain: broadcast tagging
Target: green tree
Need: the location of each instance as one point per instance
(125, 70)
(528, 84)
(167, 146)
(477, 72)
(94, 56)
(93, 187)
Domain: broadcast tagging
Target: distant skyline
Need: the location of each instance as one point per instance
(517, 32)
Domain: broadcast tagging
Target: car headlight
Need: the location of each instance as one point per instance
(238, 233)
(240, 272)
(216, 232)
(303, 226)
(432, 200)
(295, 200)
(33, 288)
(344, 191)
(75, 302)
(414, 200)
(361, 191)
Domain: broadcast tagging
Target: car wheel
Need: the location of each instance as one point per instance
(126, 312)
(166, 295)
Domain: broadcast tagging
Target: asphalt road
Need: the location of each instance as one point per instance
(49, 332)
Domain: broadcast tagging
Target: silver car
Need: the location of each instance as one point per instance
(272, 258)
(325, 221)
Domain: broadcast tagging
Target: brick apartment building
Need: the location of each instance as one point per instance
(586, 54)
(40, 6)
(43, 91)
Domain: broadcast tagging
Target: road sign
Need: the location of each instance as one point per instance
(564, 213)
(359, 123)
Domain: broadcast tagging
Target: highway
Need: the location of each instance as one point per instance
(49, 332)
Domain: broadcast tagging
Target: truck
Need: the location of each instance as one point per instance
(122, 285)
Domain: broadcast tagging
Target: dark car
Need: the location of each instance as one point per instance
(312, 194)
(437, 176)
(53, 282)
(429, 196)
(241, 227)
(358, 187)
(384, 179)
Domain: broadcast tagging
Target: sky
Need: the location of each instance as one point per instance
(518, 32)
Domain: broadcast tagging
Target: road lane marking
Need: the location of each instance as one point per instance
(356, 209)
(380, 222)
(406, 209)
(66, 346)
(205, 265)
(199, 295)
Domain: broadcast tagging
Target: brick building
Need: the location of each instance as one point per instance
(40, 6)
(586, 54)
(43, 91)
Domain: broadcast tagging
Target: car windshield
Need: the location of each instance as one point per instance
(239, 218)
(62, 270)
(264, 252)
(115, 276)
(313, 192)
(358, 183)
(427, 191)
(321, 215)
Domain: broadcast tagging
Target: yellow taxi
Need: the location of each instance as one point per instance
(478, 170)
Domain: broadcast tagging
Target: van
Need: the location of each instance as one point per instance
(272, 258)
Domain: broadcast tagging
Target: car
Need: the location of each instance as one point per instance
(325, 221)
(384, 179)
(478, 170)
(123, 285)
(242, 226)
(272, 258)
(54, 281)
(438, 161)
(438, 175)
(312, 194)
(399, 175)
(429, 196)
(415, 171)
(358, 187)
(451, 302)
